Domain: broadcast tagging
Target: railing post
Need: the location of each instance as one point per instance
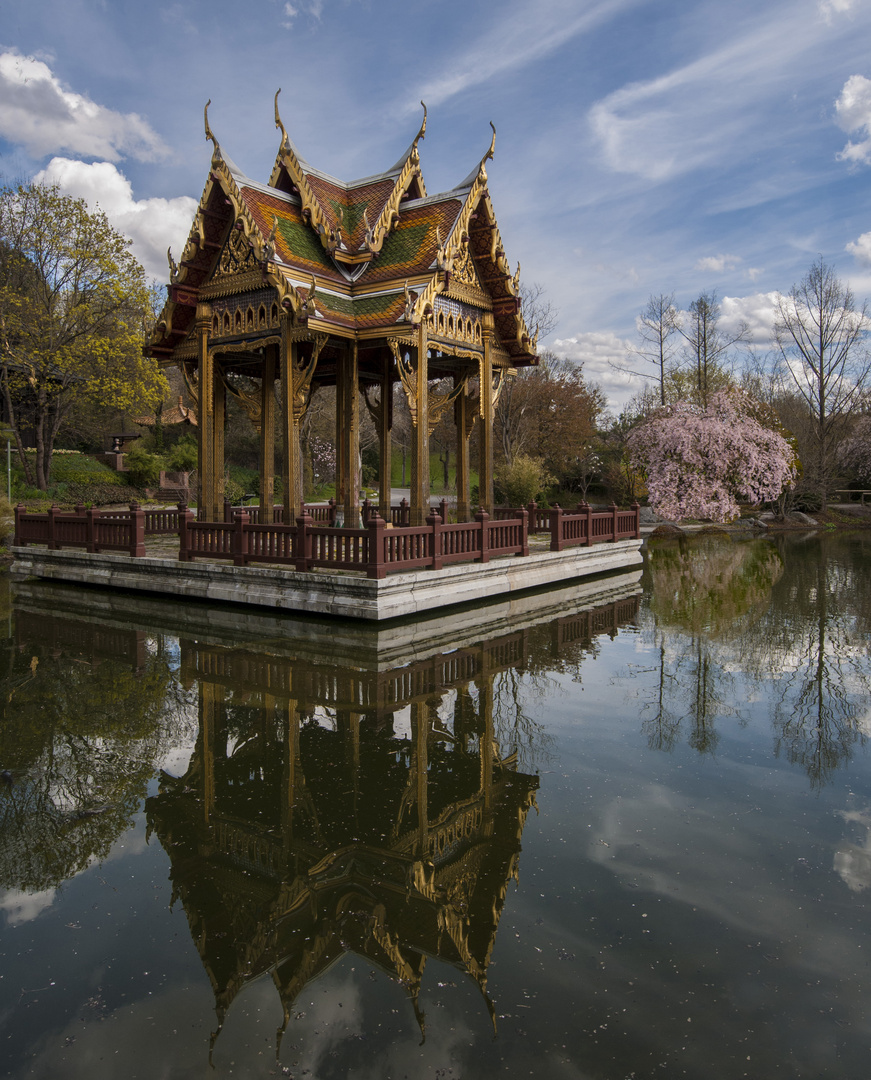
(53, 511)
(365, 511)
(434, 521)
(524, 532)
(403, 512)
(137, 531)
(589, 525)
(443, 511)
(376, 567)
(556, 528)
(331, 513)
(19, 510)
(636, 509)
(614, 512)
(532, 510)
(91, 522)
(239, 541)
(303, 546)
(228, 510)
(483, 518)
(185, 517)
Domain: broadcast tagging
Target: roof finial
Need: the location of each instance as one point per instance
(492, 149)
(422, 133)
(278, 122)
(209, 133)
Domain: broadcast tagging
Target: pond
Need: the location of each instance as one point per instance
(598, 833)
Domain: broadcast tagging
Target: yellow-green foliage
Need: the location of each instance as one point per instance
(522, 481)
(75, 309)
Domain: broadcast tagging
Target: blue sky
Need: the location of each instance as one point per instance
(642, 147)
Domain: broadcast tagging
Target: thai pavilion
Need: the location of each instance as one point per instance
(307, 281)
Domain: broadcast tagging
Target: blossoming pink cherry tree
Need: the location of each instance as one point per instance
(701, 461)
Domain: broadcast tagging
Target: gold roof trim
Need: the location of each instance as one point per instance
(286, 156)
(389, 216)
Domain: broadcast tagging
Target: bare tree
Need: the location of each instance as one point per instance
(820, 336)
(657, 326)
(539, 314)
(541, 317)
(708, 348)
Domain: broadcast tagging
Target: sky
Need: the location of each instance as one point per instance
(642, 147)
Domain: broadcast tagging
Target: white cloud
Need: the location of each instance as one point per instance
(21, 907)
(599, 351)
(717, 264)
(756, 310)
(853, 110)
(830, 8)
(36, 112)
(152, 224)
(861, 249)
(313, 8)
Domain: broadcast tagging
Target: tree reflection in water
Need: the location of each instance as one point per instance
(81, 727)
(724, 620)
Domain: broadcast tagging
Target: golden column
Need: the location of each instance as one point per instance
(348, 436)
(385, 445)
(464, 418)
(420, 448)
(219, 417)
(267, 436)
(206, 499)
(485, 463)
(291, 472)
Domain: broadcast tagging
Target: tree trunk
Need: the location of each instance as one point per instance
(13, 424)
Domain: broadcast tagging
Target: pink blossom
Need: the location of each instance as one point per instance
(700, 461)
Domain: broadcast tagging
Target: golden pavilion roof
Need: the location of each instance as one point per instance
(361, 259)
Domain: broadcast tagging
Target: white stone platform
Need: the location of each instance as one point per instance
(345, 595)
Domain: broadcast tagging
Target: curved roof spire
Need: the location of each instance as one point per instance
(210, 135)
(480, 170)
(412, 151)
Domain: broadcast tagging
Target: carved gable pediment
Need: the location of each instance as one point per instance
(237, 256)
(465, 284)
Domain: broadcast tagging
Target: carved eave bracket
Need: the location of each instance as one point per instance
(439, 403)
(496, 386)
(302, 377)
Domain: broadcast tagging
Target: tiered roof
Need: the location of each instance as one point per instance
(360, 259)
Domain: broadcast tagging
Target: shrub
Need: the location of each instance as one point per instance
(183, 456)
(142, 468)
(522, 480)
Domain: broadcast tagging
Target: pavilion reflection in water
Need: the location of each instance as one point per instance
(327, 810)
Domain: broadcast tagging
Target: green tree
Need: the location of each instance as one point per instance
(74, 308)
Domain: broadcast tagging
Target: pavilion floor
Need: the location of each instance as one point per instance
(341, 594)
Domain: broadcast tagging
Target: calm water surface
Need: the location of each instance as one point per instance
(630, 839)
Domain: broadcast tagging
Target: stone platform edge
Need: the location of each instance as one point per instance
(343, 595)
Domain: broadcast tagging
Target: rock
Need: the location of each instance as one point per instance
(667, 531)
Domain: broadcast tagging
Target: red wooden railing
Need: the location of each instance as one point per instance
(376, 549)
(88, 529)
